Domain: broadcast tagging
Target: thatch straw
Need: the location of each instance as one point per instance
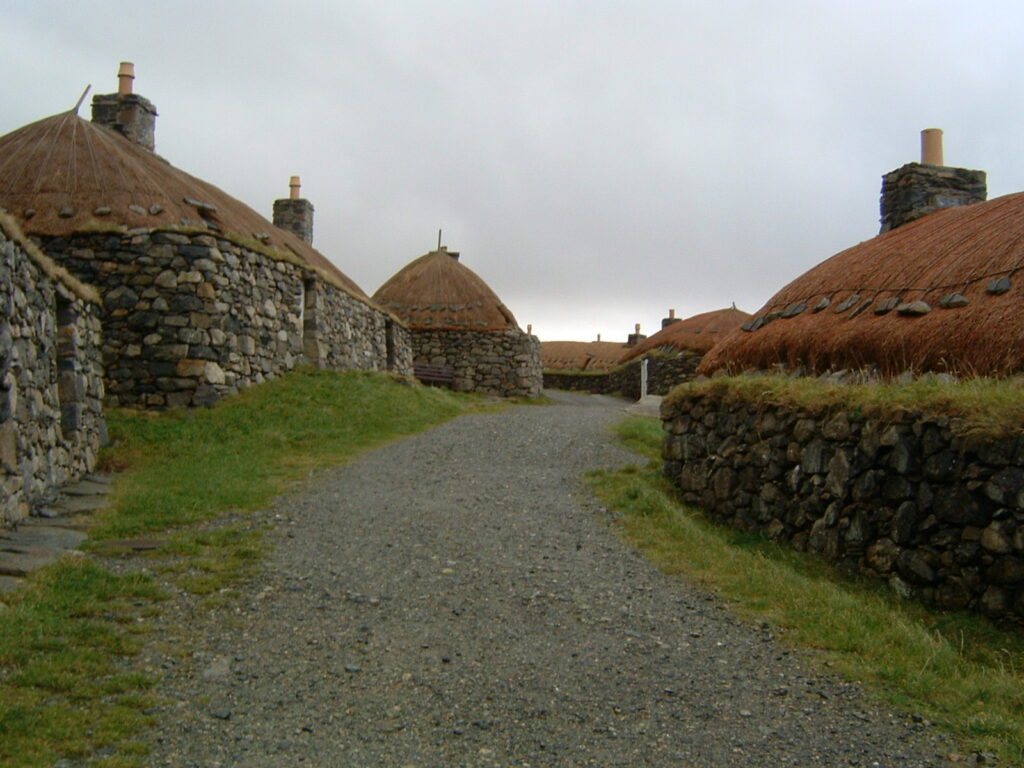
(436, 292)
(64, 175)
(698, 333)
(580, 355)
(953, 251)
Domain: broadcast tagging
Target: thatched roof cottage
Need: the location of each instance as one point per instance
(201, 294)
(458, 323)
(938, 290)
(692, 337)
(581, 355)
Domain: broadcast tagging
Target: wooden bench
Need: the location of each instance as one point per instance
(438, 375)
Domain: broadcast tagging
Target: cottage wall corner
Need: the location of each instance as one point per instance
(51, 386)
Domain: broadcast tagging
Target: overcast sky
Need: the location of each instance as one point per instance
(595, 162)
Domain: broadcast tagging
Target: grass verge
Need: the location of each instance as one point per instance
(64, 692)
(959, 671)
(985, 406)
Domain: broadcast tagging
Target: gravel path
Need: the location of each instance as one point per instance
(456, 599)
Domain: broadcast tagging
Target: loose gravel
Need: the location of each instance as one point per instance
(457, 599)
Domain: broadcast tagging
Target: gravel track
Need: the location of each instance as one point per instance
(457, 599)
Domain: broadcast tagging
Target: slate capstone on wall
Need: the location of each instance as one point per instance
(51, 388)
(189, 317)
(908, 498)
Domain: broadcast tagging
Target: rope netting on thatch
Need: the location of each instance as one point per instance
(698, 333)
(436, 292)
(64, 175)
(939, 294)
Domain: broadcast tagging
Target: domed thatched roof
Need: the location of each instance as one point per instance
(435, 291)
(63, 175)
(580, 355)
(694, 334)
(939, 294)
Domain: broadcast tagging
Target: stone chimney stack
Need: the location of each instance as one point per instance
(667, 321)
(635, 338)
(295, 213)
(127, 113)
(917, 189)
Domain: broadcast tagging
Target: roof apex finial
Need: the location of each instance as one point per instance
(82, 98)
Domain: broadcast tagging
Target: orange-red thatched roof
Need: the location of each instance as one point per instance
(63, 175)
(858, 309)
(581, 355)
(694, 334)
(436, 292)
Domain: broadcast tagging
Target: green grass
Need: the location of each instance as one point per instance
(191, 466)
(187, 478)
(61, 691)
(985, 406)
(958, 671)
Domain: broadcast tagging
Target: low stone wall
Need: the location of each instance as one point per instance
(908, 498)
(191, 317)
(505, 363)
(51, 386)
(663, 373)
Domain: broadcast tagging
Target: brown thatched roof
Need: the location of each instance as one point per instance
(694, 334)
(435, 291)
(64, 175)
(580, 355)
(859, 308)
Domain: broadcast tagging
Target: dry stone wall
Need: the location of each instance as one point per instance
(909, 499)
(191, 317)
(663, 373)
(351, 334)
(505, 363)
(51, 386)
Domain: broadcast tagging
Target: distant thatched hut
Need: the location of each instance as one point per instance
(457, 322)
(581, 355)
(692, 337)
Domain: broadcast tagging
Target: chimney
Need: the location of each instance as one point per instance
(931, 146)
(295, 213)
(635, 338)
(667, 321)
(126, 112)
(917, 189)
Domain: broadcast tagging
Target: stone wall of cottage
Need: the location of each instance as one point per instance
(910, 498)
(51, 385)
(663, 373)
(505, 363)
(342, 333)
(189, 318)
